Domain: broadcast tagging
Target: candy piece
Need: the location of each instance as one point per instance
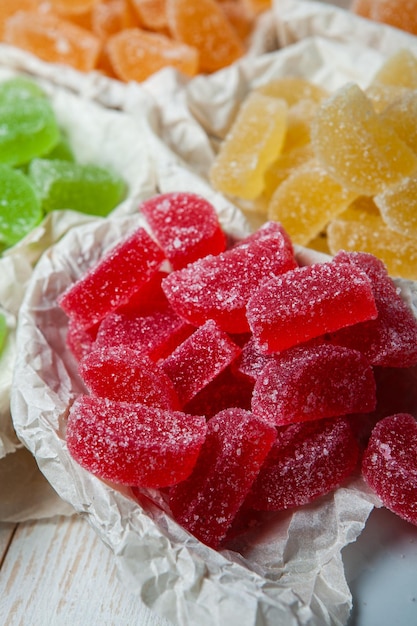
(112, 281)
(306, 461)
(151, 14)
(398, 13)
(53, 39)
(293, 89)
(219, 287)
(80, 340)
(239, 17)
(133, 444)
(135, 54)
(20, 208)
(19, 88)
(62, 184)
(185, 225)
(199, 359)
(389, 464)
(362, 7)
(251, 361)
(307, 302)
(398, 206)
(225, 391)
(314, 382)
(257, 6)
(401, 115)
(230, 459)
(370, 234)
(29, 129)
(156, 334)
(62, 150)
(148, 299)
(284, 166)
(127, 375)
(369, 154)
(7, 9)
(111, 16)
(400, 70)
(390, 340)
(306, 201)
(204, 26)
(252, 144)
(72, 7)
(383, 96)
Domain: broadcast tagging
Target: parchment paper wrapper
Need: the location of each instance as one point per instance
(299, 19)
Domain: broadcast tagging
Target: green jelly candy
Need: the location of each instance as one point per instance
(84, 188)
(28, 129)
(20, 209)
(18, 89)
(3, 331)
(62, 150)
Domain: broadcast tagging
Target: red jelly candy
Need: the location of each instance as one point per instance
(156, 334)
(148, 298)
(251, 361)
(120, 373)
(185, 225)
(134, 444)
(307, 302)
(199, 359)
(391, 339)
(80, 340)
(313, 382)
(112, 282)
(389, 464)
(306, 461)
(219, 287)
(236, 445)
(225, 391)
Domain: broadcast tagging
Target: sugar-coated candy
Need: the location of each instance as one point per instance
(397, 13)
(19, 88)
(204, 26)
(111, 282)
(306, 461)
(389, 464)
(20, 207)
(219, 287)
(251, 361)
(400, 114)
(398, 206)
(151, 14)
(390, 340)
(53, 39)
(399, 70)
(307, 302)
(293, 89)
(80, 340)
(185, 225)
(156, 334)
(307, 200)
(369, 154)
(133, 444)
(124, 374)
(199, 359)
(148, 298)
(236, 445)
(252, 144)
(136, 54)
(62, 184)
(29, 129)
(371, 234)
(314, 382)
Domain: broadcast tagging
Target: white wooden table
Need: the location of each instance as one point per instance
(58, 573)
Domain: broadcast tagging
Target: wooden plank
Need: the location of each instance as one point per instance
(58, 572)
(6, 535)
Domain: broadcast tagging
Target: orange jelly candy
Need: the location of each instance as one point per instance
(205, 26)
(135, 54)
(111, 16)
(151, 14)
(53, 39)
(72, 7)
(7, 9)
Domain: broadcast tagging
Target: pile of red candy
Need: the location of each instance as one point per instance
(236, 380)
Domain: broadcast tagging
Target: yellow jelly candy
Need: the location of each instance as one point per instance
(398, 206)
(360, 209)
(254, 141)
(382, 96)
(400, 70)
(355, 146)
(370, 234)
(292, 89)
(401, 115)
(286, 163)
(306, 201)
